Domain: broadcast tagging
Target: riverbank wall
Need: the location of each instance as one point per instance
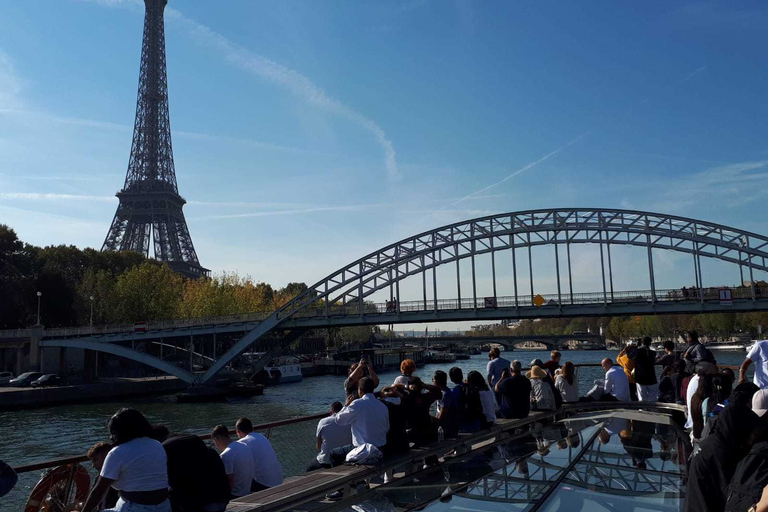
(28, 398)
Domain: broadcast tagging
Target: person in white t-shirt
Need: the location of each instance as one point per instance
(267, 471)
(330, 435)
(136, 467)
(237, 459)
(758, 354)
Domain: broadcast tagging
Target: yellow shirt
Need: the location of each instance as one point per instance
(628, 365)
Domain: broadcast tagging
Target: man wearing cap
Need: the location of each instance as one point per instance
(758, 354)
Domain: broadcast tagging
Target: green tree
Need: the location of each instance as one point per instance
(150, 291)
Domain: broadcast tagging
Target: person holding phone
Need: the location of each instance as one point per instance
(356, 372)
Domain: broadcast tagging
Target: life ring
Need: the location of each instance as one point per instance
(66, 475)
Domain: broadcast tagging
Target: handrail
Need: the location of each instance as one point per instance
(706, 294)
(82, 458)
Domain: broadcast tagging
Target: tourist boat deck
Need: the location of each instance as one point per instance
(629, 455)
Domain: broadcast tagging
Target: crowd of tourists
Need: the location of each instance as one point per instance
(145, 468)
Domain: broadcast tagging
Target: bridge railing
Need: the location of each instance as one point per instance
(154, 325)
(369, 308)
(550, 299)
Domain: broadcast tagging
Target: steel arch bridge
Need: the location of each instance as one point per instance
(343, 297)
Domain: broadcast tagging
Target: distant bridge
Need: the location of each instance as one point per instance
(343, 298)
(554, 341)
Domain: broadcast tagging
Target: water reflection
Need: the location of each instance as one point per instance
(613, 463)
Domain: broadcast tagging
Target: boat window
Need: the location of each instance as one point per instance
(628, 461)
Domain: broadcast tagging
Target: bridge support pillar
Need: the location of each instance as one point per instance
(19, 361)
(90, 365)
(62, 361)
(36, 334)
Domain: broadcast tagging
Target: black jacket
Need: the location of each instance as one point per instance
(196, 474)
(749, 480)
(713, 467)
(645, 371)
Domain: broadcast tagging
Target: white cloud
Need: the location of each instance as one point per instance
(274, 72)
(519, 171)
(35, 196)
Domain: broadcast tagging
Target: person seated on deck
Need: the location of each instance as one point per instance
(196, 476)
(330, 435)
(457, 378)
(418, 400)
(96, 454)
(447, 407)
(267, 469)
(397, 435)
(495, 367)
(515, 391)
(356, 372)
(616, 382)
(549, 379)
(666, 386)
(368, 419)
(553, 364)
(238, 462)
(8, 479)
(407, 367)
(136, 466)
(566, 383)
(477, 385)
(542, 397)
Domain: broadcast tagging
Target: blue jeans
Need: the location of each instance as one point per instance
(129, 506)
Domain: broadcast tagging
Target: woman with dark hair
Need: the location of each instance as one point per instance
(478, 386)
(678, 377)
(703, 392)
(567, 384)
(136, 467)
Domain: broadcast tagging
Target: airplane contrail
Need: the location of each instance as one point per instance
(521, 170)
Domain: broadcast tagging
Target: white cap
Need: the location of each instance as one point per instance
(760, 402)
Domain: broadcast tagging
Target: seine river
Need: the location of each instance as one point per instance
(42, 434)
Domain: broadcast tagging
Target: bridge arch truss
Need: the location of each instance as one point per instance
(346, 290)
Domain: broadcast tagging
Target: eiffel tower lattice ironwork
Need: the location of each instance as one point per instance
(149, 201)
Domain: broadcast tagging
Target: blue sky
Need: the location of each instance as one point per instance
(307, 134)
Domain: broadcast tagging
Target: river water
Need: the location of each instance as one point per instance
(41, 434)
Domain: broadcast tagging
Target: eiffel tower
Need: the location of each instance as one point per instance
(149, 201)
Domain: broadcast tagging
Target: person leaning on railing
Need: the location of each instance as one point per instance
(330, 435)
(136, 466)
(267, 469)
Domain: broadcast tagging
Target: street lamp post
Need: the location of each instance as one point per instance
(39, 295)
(91, 297)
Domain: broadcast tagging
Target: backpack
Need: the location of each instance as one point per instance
(748, 482)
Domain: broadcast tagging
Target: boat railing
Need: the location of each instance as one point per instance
(267, 429)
